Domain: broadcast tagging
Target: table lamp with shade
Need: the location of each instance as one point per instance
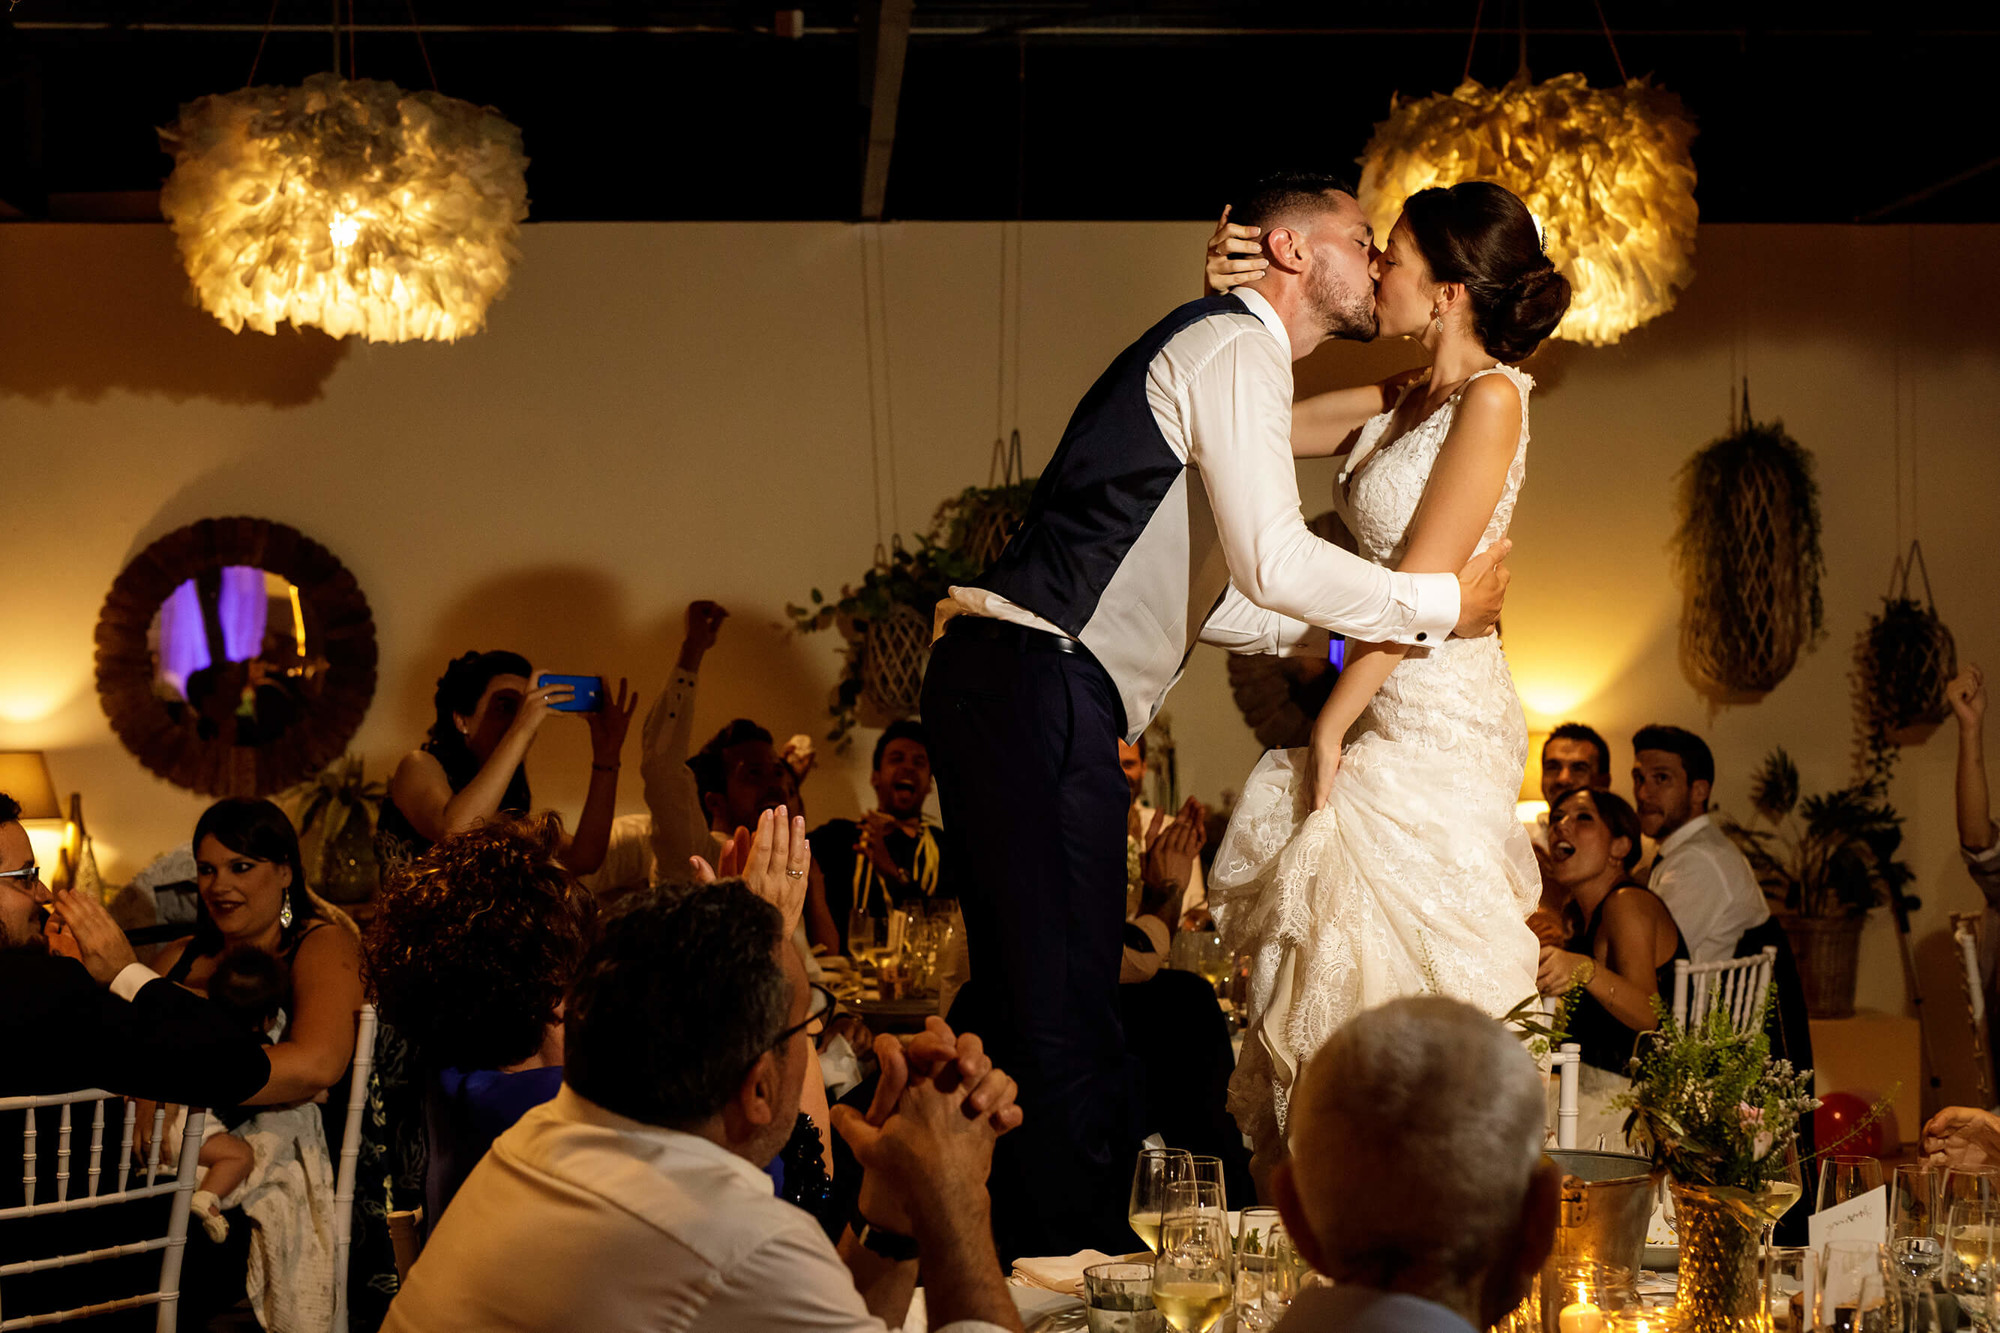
(24, 775)
(1530, 806)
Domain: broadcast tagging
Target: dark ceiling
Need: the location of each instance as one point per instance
(1057, 109)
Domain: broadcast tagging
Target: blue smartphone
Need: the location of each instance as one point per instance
(589, 696)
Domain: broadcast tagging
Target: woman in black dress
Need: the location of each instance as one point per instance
(1623, 941)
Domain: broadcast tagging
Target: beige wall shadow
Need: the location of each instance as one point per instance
(92, 309)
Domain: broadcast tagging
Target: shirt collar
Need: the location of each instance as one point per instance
(1350, 1305)
(1684, 835)
(573, 1106)
(1267, 313)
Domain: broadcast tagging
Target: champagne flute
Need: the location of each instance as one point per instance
(1191, 1285)
(1913, 1221)
(1156, 1169)
(1844, 1178)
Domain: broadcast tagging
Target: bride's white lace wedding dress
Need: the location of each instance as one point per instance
(1417, 877)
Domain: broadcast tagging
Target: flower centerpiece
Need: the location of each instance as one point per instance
(1720, 1117)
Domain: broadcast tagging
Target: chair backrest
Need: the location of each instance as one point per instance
(350, 1157)
(105, 1181)
(1568, 1065)
(1966, 928)
(1737, 986)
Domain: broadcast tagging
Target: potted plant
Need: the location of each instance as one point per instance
(1903, 659)
(1720, 1117)
(887, 619)
(1831, 858)
(335, 813)
(1748, 556)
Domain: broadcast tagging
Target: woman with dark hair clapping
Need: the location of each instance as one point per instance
(472, 766)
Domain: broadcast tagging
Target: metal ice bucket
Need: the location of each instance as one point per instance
(1607, 1203)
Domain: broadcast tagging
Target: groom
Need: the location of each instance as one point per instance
(1169, 516)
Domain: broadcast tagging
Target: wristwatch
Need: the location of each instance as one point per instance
(889, 1244)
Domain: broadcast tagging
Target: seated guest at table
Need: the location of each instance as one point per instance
(889, 858)
(1699, 873)
(78, 1010)
(738, 776)
(1416, 1180)
(473, 766)
(1573, 756)
(1141, 828)
(469, 955)
(637, 1199)
(1623, 942)
(252, 888)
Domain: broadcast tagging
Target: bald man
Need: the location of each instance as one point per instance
(1431, 1104)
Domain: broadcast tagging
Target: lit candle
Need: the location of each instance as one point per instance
(1582, 1317)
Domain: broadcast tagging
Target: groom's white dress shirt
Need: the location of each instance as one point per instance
(579, 1219)
(1220, 393)
(1709, 888)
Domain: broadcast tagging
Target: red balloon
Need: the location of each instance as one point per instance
(1838, 1114)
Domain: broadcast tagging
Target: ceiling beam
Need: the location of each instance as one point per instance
(885, 40)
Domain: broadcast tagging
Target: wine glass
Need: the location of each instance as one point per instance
(1968, 1184)
(1156, 1169)
(1191, 1284)
(1267, 1270)
(1844, 1178)
(1850, 1291)
(1913, 1221)
(1209, 1170)
(1970, 1256)
(1790, 1273)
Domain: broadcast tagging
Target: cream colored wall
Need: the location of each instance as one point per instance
(661, 412)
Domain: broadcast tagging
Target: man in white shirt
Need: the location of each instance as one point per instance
(1698, 872)
(1169, 516)
(637, 1199)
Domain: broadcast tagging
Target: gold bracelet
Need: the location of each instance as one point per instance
(1585, 973)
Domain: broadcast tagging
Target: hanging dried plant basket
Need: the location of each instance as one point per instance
(1904, 658)
(894, 649)
(1748, 556)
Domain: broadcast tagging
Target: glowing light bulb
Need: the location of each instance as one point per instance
(344, 229)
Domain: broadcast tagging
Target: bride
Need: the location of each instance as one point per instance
(1386, 860)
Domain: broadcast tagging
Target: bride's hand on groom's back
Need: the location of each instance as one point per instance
(1235, 256)
(1482, 586)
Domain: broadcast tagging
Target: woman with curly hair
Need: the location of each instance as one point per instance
(469, 956)
(473, 765)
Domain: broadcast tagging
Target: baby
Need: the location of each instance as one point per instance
(251, 986)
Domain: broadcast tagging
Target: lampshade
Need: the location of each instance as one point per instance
(351, 205)
(1605, 171)
(24, 775)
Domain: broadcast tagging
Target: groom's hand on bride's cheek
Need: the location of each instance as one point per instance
(1482, 587)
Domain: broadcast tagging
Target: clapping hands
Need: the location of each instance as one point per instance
(774, 862)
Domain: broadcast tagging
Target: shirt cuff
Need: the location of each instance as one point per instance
(1433, 599)
(1989, 857)
(127, 983)
(1154, 930)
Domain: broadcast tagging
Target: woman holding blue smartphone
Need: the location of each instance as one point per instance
(472, 766)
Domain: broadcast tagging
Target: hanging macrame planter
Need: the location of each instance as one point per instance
(1748, 557)
(1905, 657)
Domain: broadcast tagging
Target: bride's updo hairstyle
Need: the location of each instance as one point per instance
(1479, 234)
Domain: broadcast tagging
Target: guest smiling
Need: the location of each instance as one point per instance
(472, 767)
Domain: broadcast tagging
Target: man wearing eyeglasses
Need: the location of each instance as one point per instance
(78, 1010)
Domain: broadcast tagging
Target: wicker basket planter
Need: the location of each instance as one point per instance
(1748, 555)
(1827, 950)
(1904, 659)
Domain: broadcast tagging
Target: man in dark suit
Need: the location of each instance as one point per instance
(78, 1010)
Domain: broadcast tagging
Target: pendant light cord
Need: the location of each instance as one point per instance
(1477, 14)
(1612, 42)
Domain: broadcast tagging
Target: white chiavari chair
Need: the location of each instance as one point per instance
(1737, 986)
(350, 1157)
(104, 1181)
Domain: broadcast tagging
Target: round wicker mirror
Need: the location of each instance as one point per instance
(235, 657)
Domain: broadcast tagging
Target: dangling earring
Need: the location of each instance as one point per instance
(285, 914)
(1437, 320)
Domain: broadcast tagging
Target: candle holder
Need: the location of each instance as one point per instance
(1580, 1295)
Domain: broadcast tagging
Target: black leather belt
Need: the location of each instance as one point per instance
(1021, 636)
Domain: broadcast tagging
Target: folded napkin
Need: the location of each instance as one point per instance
(1059, 1273)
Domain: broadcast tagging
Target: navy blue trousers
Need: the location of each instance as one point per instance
(1023, 742)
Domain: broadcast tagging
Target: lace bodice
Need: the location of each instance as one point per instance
(1388, 488)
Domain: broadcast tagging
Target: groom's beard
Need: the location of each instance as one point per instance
(1339, 309)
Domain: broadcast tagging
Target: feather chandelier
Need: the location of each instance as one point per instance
(350, 205)
(1605, 171)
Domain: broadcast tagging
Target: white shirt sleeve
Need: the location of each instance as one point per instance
(128, 981)
(1239, 416)
(1239, 625)
(679, 829)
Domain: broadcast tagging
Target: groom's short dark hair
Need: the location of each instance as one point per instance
(1287, 192)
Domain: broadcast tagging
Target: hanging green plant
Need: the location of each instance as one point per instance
(886, 618)
(1903, 659)
(1748, 556)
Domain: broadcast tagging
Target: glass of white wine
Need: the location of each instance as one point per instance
(1156, 1169)
(1971, 1255)
(1191, 1283)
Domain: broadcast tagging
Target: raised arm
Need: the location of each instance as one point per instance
(1459, 499)
(1967, 693)
(680, 829)
(423, 793)
(1239, 439)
